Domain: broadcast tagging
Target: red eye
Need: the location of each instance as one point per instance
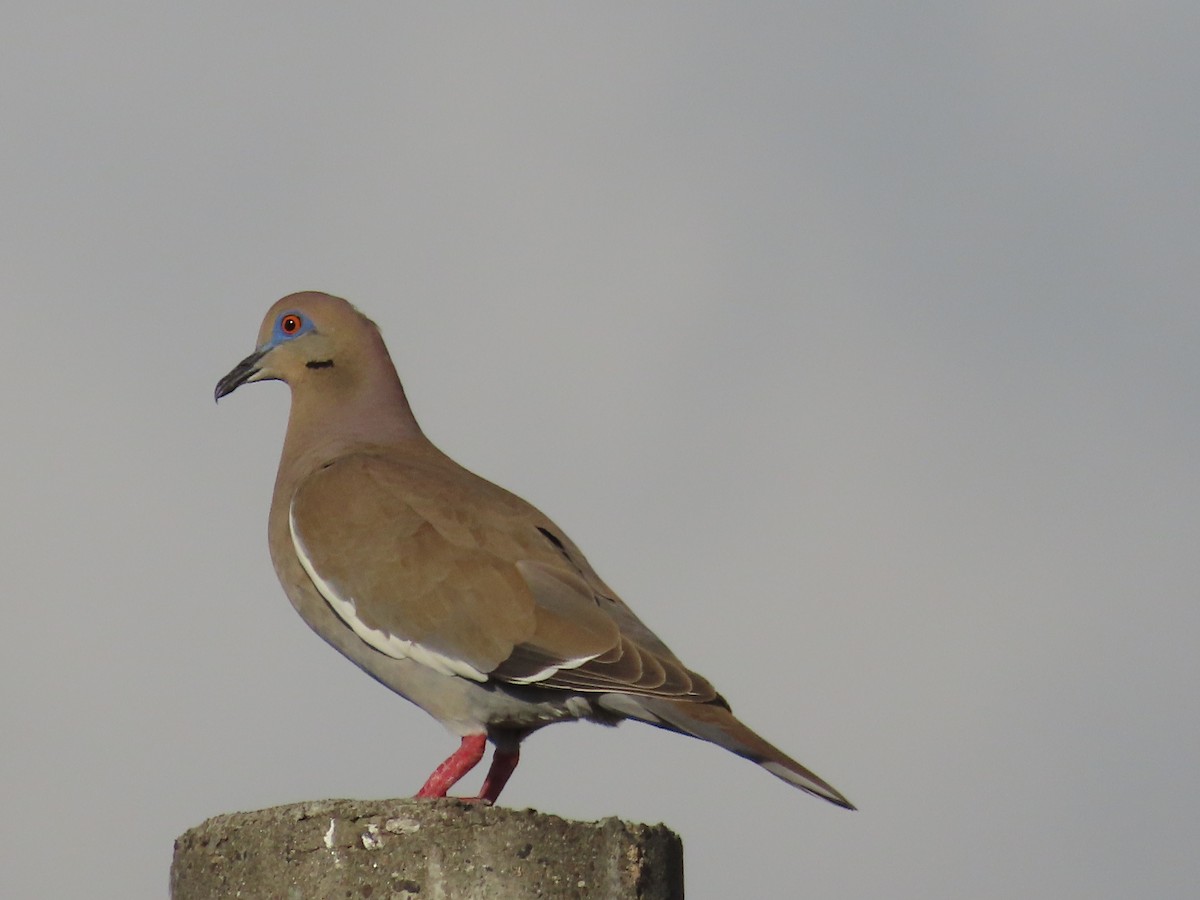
(290, 323)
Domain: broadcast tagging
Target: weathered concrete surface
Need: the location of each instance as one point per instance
(422, 850)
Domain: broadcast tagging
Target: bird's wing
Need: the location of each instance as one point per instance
(423, 559)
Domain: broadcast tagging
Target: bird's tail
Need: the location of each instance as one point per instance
(714, 723)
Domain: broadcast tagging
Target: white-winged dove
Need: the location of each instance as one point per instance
(449, 590)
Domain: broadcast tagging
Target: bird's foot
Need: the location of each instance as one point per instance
(462, 761)
(459, 763)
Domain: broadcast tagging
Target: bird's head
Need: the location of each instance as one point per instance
(305, 337)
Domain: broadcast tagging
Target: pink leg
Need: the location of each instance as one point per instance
(462, 761)
(503, 764)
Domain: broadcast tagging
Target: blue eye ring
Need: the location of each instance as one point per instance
(291, 325)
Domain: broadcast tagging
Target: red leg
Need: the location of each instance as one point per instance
(503, 764)
(462, 761)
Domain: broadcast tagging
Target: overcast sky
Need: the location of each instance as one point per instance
(856, 344)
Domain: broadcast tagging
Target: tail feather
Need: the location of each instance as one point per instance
(717, 725)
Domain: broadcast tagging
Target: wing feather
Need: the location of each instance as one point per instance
(425, 560)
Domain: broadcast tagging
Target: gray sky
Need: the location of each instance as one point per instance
(854, 343)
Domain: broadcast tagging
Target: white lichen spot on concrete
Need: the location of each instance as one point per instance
(402, 826)
(337, 861)
(371, 839)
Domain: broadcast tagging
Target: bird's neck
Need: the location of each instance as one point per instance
(345, 412)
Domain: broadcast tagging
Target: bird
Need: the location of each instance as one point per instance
(449, 590)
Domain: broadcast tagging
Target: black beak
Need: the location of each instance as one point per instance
(239, 375)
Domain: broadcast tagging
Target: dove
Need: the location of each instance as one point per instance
(456, 594)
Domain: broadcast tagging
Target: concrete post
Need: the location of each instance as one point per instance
(422, 850)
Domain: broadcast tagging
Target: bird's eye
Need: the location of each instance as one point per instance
(290, 324)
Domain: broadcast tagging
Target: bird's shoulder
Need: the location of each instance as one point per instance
(407, 489)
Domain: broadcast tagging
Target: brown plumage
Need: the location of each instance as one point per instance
(451, 591)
